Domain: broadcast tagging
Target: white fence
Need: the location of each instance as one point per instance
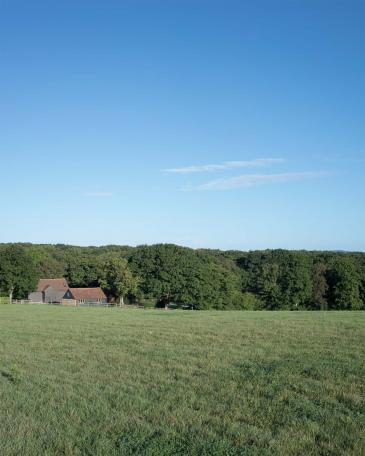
(66, 304)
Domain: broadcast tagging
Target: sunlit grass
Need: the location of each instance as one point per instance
(79, 381)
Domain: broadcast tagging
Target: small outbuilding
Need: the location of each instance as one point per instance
(94, 294)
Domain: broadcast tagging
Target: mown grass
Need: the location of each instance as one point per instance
(79, 381)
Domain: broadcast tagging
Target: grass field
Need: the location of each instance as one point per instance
(79, 381)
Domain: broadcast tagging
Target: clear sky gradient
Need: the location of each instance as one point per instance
(223, 124)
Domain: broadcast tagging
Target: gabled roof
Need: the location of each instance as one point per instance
(56, 284)
(88, 293)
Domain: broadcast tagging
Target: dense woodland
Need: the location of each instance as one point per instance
(169, 275)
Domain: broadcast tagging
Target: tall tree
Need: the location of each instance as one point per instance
(18, 275)
(319, 287)
(267, 285)
(295, 279)
(118, 280)
(345, 284)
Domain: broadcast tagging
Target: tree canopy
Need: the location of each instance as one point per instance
(18, 274)
(166, 274)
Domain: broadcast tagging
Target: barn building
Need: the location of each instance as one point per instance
(49, 290)
(95, 294)
(58, 291)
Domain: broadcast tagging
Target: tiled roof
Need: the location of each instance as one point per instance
(56, 284)
(88, 293)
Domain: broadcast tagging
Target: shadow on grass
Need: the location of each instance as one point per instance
(9, 376)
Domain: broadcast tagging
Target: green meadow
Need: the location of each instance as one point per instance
(108, 381)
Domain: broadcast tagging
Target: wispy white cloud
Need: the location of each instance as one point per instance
(250, 180)
(257, 162)
(98, 194)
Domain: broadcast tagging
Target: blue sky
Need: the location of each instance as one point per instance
(223, 124)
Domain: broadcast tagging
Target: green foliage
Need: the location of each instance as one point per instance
(18, 274)
(282, 279)
(267, 285)
(296, 280)
(250, 301)
(206, 279)
(83, 270)
(117, 279)
(319, 287)
(345, 285)
(177, 274)
(47, 259)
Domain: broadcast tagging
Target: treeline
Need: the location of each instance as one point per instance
(169, 275)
